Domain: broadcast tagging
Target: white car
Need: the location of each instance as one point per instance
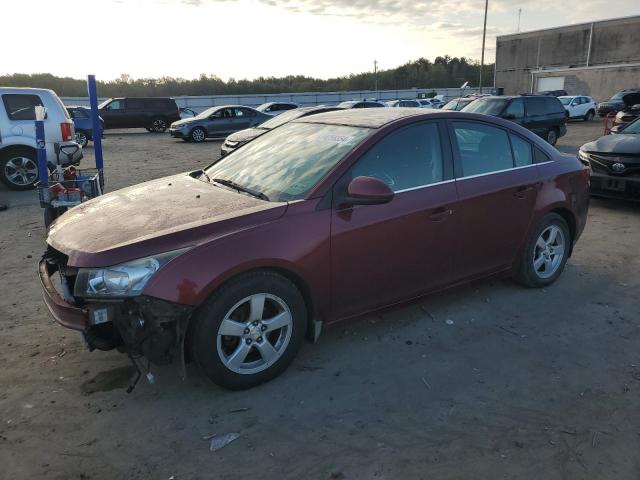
(18, 160)
(579, 106)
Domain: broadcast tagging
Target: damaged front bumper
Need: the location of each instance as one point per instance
(139, 326)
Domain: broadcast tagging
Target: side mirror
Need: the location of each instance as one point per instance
(368, 191)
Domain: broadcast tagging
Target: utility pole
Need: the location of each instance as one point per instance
(375, 76)
(484, 35)
(519, 15)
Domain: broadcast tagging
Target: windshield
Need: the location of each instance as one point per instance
(486, 106)
(565, 100)
(105, 103)
(264, 106)
(282, 119)
(633, 127)
(618, 96)
(348, 103)
(285, 163)
(207, 112)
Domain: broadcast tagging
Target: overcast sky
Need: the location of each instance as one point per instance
(251, 38)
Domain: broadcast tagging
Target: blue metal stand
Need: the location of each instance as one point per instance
(41, 152)
(95, 125)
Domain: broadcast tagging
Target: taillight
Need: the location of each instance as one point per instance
(65, 130)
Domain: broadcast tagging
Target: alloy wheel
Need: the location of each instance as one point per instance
(159, 125)
(21, 171)
(254, 334)
(552, 137)
(549, 251)
(198, 135)
(81, 139)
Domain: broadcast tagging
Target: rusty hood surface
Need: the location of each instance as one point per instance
(154, 217)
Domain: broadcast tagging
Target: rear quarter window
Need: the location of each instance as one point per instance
(21, 106)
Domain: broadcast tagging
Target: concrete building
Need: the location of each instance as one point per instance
(597, 59)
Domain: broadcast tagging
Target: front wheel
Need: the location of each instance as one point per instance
(552, 136)
(249, 331)
(198, 135)
(589, 116)
(546, 252)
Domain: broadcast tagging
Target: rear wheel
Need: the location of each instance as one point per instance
(249, 331)
(589, 116)
(546, 252)
(552, 136)
(198, 135)
(19, 168)
(158, 125)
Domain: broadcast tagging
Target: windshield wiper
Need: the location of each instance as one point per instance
(240, 188)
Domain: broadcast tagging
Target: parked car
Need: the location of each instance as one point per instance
(622, 99)
(579, 106)
(153, 113)
(83, 124)
(276, 108)
(458, 104)
(18, 160)
(614, 161)
(322, 219)
(431, 103)
(543, 115)
(217, 122)
(624, 117)
(361, 104)
(554, 93)
(238, 139)
(187, 113)
(404, 103)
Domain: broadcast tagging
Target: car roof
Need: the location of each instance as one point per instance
(19, 90)
(366, 117)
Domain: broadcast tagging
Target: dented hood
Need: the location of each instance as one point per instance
(154, 217)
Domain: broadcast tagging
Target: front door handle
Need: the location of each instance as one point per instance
(440, 214)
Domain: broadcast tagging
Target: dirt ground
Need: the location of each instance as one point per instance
(535, 384)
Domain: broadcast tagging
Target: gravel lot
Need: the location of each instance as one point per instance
(540, 384)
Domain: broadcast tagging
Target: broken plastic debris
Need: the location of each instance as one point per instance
(221, 441)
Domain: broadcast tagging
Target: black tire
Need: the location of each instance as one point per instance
(159, 125)
(589, 116)
(198, 135)
(203, 332)
(552, 136)
(16, 156)
(527, 273)
(82, 138)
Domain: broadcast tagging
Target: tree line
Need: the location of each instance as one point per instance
(422, 73)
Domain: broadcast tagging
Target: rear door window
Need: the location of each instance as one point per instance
(21, 106)
(535, 106)
(515, 109)
(481, 148)
(407, 158)
(522, 155)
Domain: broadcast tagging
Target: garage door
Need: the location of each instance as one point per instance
(550, 83)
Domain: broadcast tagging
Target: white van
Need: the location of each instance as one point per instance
(18, 161)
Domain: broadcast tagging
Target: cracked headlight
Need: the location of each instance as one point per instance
(125, 280)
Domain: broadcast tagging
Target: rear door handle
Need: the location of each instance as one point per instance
(440, 214)
(521, 192)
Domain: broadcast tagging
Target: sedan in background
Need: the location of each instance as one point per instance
(83, 125)
(579, 107)
(458, 104)
(620, 101)
(238, 139)
(325, 218)
(614, 161)
(276, 108)
(217, 122)
(361, 104)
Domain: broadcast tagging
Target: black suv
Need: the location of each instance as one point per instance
(543, 115)
(153, 113)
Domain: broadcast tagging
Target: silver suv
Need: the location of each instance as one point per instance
(18, 162)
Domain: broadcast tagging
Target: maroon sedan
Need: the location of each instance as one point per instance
(328, 217)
